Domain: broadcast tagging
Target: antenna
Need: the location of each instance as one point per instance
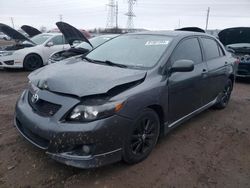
(12, 22)
(130, 14)
(208, 11)
(111, 14)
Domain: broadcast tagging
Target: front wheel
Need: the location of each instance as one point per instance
(224, 97)
(32, 62)
(142, 138)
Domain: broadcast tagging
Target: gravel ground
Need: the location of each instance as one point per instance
(210, 150)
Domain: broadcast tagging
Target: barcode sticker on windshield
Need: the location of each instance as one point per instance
(155, 43)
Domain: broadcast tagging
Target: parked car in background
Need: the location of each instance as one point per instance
(80, 49)
(114, 103)
(32, 53)
(237, 40)
(31, 31)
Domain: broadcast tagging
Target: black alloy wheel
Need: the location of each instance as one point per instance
(225, 95)
(142, 138)
(32, 62)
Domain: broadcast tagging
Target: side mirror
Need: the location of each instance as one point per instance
(182, 65)
(49, 44)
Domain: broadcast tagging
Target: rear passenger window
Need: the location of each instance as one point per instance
(211, 48)
(188, 49)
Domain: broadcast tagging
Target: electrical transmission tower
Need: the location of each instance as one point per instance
(130, 14)
(111, 14)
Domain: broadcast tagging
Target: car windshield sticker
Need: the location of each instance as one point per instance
(156, 43)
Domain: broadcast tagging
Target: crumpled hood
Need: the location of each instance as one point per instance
(81, 78)
(235, 35)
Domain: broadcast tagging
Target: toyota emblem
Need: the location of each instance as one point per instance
(34, 98)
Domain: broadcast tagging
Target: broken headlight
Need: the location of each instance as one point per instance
(88, 112)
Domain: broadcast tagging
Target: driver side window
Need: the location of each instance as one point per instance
(188, 49)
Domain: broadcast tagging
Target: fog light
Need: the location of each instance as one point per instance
(86, 149)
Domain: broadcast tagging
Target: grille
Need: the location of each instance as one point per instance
(9, 62)
(244, 69)
(43, 107)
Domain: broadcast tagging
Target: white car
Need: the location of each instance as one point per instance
(32, 53)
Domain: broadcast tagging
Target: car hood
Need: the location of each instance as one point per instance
(81, 78)
(234, 35)
(71, 33)
(12, 33)
(31, 31)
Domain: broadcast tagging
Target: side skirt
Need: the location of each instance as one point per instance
(168, 126)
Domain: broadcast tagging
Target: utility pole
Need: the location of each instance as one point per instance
(130, 14)
(12, 22)
(116, 14)
(208, 12)
(179, 24)
(111, 14)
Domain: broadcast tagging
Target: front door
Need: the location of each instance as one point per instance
(185, 88)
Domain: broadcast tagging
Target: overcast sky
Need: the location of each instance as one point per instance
(150, 14)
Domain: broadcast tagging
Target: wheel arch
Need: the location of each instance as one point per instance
(34, 53)
(160, 112)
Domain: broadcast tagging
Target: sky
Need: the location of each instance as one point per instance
(150, 14)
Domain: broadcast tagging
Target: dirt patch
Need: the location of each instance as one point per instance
(210, 150)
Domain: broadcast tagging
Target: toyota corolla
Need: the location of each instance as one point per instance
(114, 103)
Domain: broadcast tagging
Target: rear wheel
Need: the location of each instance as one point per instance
(224, 97)
(32, 62)
(142, 138)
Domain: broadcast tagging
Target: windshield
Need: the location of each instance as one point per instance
(40, 39)
(96, 41)
(132, 50)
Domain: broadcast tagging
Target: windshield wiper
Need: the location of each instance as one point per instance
(107, 62)
(88, 59)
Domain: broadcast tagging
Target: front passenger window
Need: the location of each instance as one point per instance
(189, 49)
(58, 40)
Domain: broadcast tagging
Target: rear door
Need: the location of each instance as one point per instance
(217, 68)
(185, 88)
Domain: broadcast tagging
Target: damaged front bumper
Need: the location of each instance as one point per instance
(82, 145)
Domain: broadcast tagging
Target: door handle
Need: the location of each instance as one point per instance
(204, 71)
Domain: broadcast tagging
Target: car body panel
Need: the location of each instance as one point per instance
(31, 31)
(71, 34)
(74, 70)
(12, 33)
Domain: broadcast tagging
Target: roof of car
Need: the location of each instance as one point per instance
(172, 33)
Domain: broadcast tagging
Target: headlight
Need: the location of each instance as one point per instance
(89, 112)
(7, 53)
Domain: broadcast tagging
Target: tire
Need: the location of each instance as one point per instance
(142, 137)
(32, 62)
(224, 97)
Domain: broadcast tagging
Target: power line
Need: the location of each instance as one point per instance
(130, 14)
(111, 14)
